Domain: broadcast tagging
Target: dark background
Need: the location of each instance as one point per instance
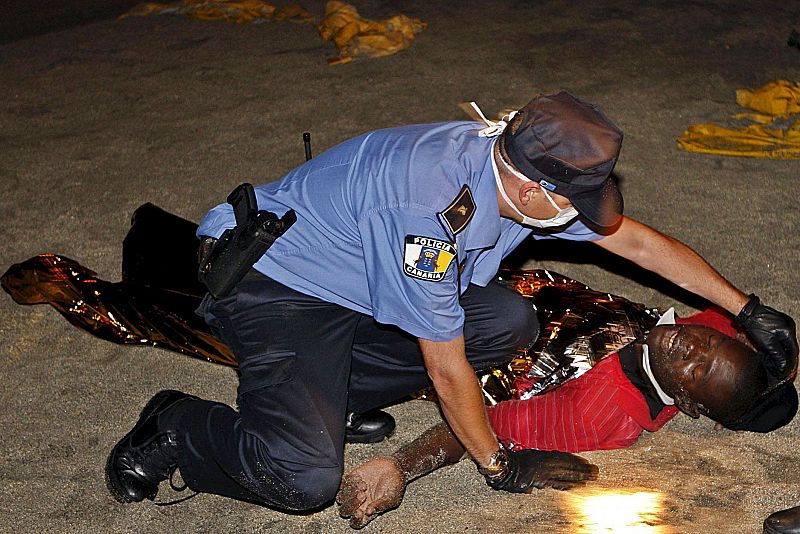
(22, 18)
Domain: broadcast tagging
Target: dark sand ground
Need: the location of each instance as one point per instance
(98, 119)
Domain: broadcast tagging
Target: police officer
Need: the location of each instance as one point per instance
(385, 284)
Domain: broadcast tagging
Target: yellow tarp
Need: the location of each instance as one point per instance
(775, 132)
(356, 36)
(775, 98)
(241, 11)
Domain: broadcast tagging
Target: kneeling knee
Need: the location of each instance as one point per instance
(521, 323)
(313, 491)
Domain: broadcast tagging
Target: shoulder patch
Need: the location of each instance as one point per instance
(427, 258)
(458, 214)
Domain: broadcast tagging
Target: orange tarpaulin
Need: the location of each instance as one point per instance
(772, 133)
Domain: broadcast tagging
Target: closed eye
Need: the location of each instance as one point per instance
(715, 340)
(699, 372)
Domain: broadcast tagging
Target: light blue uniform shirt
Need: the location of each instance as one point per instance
(357, 203)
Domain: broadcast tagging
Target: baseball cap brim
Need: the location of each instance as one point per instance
(602, 207)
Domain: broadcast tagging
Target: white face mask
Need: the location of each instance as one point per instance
(562, 216)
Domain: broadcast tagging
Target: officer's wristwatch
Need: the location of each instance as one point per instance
(497, 466)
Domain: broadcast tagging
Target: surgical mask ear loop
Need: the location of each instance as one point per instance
(551, 201)
(562, 216)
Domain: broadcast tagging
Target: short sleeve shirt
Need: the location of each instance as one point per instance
(372, 233)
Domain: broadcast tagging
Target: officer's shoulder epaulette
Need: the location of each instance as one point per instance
(460, 211)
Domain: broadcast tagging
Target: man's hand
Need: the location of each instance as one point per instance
(370, 489)
(774, 333)
(531, 469)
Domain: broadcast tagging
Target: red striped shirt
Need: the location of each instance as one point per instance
(599, 410)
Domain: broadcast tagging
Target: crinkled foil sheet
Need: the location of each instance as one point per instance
(155, 301)
(578, 328)
(153, 304)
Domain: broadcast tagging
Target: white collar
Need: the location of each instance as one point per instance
(667, 319)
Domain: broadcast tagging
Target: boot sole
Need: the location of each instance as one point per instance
(113, 483)
(770, 530)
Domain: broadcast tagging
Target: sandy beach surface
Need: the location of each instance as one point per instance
(100, 118)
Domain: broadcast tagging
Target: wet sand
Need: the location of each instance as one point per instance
(100, 118)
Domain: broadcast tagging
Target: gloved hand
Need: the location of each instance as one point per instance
(531, 469)
(774, 333)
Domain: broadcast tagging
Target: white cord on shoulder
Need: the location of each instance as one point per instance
(493, 128)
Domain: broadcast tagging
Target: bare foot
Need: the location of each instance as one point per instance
(370, 489)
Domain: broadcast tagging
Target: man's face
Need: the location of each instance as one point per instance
(537, 205)
(697, 362)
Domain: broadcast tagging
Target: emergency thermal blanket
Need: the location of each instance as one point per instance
(154, 304)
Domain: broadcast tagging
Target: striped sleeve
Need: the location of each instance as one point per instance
(582, 415)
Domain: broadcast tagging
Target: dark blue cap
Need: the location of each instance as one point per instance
(569, 147)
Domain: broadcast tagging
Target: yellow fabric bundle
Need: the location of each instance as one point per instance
(775, 98)
(357, 36)
(241, 11)
(775, 134)
(353, 35)
(755, 141)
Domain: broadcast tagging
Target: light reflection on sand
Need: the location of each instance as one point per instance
(615, 510)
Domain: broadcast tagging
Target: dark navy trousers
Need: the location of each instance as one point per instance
(304, 364)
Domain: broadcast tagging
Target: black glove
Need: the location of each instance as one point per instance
(531, 469)
(774, 333)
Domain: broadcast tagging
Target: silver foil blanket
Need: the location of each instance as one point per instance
(579, 327)
(155, 301)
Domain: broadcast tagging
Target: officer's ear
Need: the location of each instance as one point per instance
(528, 192)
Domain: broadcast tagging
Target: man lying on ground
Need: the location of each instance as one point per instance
(696, 366)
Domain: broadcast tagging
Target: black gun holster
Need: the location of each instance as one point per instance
(223, 262)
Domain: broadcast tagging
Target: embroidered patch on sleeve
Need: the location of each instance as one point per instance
(427, 258)
(458, 214)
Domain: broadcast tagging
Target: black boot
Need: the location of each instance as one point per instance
(368, 427)
(147, 455)
(783, 522)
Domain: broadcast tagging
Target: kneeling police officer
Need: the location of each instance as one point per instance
(385, 285)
